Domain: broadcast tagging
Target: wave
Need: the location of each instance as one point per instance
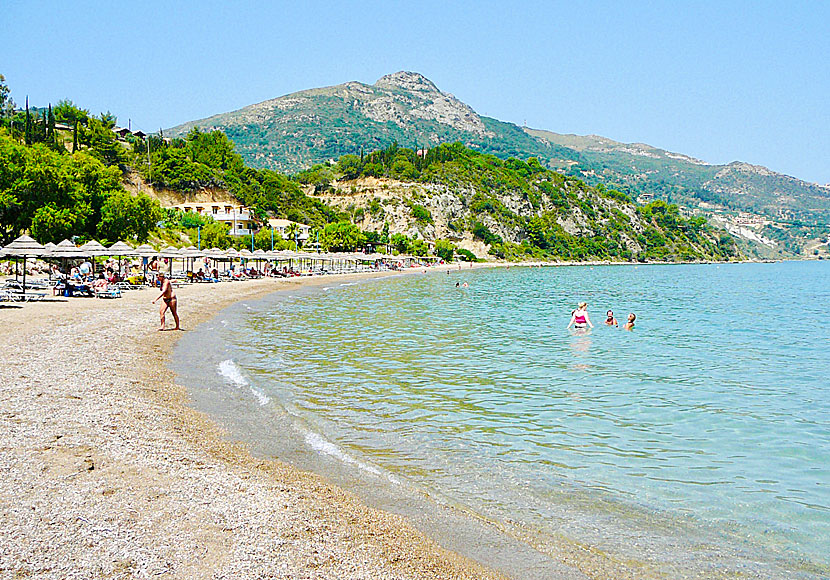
(231, 371)
(322, 445)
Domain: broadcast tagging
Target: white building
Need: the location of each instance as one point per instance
(238, 217)
(281, 225)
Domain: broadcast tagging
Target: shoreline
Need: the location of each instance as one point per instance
(107, 470)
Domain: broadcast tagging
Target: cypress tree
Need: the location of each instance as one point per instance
(50, 128)
(27, 136)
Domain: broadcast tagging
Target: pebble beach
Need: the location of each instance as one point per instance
(106, 472)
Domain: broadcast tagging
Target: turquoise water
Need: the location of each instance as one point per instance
(696, 445)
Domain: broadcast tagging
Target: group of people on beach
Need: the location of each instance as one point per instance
(581, 320)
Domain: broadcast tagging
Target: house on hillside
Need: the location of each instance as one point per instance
(238, 218)
(281, 225)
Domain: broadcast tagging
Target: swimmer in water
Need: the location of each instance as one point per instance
(580, 318)
(630, 324)
(465, 285)
(610, 320)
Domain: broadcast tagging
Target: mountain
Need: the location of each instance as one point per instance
(292, 132)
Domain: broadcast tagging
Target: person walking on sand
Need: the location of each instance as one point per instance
(630, 324)
(579, 317)
(169, 300)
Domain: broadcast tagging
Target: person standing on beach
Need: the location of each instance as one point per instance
(169, 301)
(579, 317)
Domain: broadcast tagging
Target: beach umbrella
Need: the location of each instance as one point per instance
(145, 252)
(24, 246)
(215, 253)
(121, 249)
(191, 253)
(170, 252)
(92, 249)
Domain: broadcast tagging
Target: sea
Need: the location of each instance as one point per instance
(695, 446)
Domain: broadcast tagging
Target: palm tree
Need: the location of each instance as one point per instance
(292, 230)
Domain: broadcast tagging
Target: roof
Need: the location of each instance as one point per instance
(281, 223)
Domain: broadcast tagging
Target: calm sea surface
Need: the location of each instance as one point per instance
(697, 445)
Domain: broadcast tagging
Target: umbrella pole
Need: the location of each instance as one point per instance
(24, 275)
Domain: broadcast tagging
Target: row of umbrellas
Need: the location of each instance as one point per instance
(24, 246)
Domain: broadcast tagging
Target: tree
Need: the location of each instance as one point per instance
(215, 235)
(28, 130)
(124, 216)
(350, 166)
(292, 230)
(342, 237)
(444, 249)
(67, 112)
(6, 101)
(53, 224)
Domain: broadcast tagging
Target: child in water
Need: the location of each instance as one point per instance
(630, 324)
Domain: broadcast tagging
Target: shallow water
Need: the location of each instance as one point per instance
(696, 445)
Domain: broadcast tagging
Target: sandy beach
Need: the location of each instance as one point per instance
(105, 472)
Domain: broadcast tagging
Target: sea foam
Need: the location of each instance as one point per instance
(322, 445)
(233, 374)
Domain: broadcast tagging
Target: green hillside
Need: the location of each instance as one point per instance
(292, 132)
(519, 209)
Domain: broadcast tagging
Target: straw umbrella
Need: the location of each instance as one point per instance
(259, 255)
(92, 249)
(121, 249)
(24, 246)
(170, 252)
(145, 252)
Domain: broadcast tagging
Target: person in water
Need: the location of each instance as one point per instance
(169, 300)
(610, 320)
(580, 318)
(630, 324)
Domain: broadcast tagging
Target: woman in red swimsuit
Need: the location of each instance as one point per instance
(579, 317)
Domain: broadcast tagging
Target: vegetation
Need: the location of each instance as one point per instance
(59, 183)
(56, 194)
(561, 217)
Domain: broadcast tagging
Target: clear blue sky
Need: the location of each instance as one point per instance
(721, 81)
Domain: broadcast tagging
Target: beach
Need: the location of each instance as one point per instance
(106, 472)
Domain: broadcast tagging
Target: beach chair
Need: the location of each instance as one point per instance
(112, 292)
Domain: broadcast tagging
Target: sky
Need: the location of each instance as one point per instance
(720, 81)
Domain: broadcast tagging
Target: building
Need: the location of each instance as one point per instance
(281, 225)
(238, 217)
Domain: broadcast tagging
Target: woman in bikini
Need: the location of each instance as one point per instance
(579, 317)
(169, 300)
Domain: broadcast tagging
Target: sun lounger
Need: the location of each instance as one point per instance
(109, 293)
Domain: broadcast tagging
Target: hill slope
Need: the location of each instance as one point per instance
(292, 132)
(512, 208)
